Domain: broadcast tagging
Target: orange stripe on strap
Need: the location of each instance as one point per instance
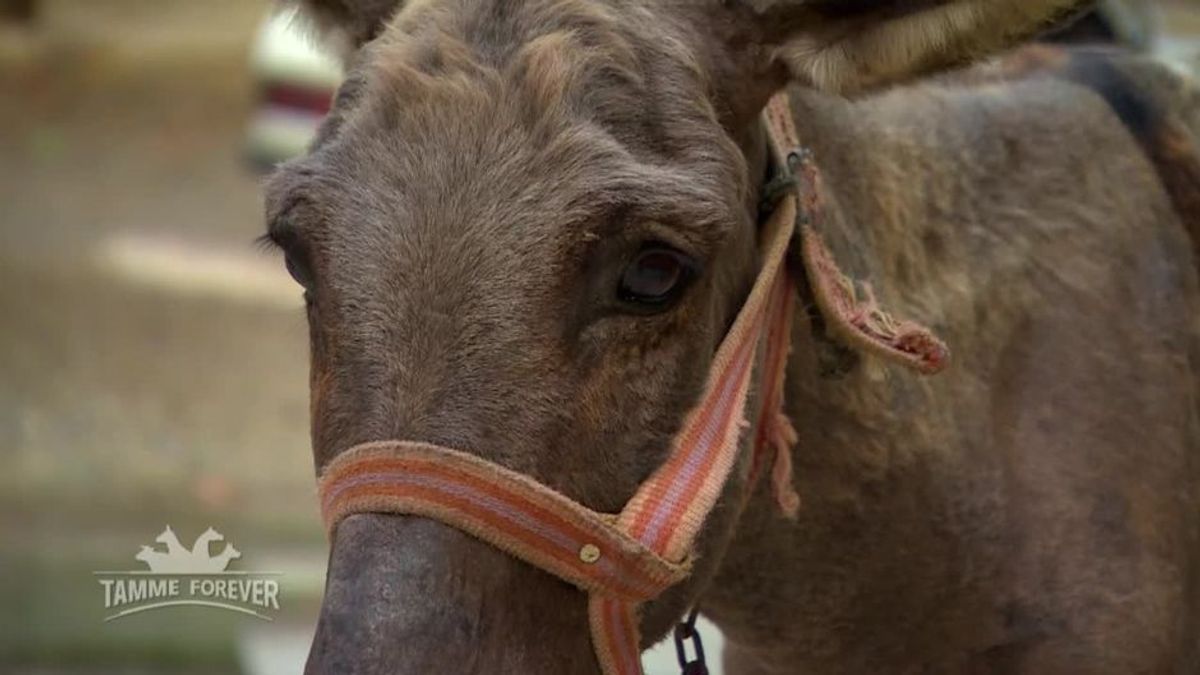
(774, 369)
(649, 504)
(716, 459)
(469, 516)
(391, 469)
(476, 477)
(669, 477)
(615, 637)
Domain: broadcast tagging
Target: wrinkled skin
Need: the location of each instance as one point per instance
(489, 173)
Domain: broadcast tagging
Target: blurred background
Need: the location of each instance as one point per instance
(152, 359)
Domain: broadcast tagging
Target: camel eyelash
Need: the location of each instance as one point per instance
(265, 243)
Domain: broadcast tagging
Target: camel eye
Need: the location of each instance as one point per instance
(656, 278)
(299, 269)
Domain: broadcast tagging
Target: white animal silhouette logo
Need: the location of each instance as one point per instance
(179, 560)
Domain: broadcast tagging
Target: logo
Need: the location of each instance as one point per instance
(179, 576)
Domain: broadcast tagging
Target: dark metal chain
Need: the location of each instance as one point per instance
(685, 631)
(784, 182)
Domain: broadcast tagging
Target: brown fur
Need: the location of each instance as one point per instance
(490, 169)
(1156, 107)
(1009, 503)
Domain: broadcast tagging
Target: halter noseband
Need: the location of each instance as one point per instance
(621, 560)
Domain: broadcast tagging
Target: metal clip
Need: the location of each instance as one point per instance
(786, 180)
(798, 158)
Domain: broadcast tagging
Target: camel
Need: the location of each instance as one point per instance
(527, 225)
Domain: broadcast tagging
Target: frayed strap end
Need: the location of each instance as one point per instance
(853, 311)
(782, 436)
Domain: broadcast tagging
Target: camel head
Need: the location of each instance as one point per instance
(522, 232)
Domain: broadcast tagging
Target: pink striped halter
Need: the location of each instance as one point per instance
(621, 560)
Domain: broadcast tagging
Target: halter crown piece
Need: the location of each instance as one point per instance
(621, 560)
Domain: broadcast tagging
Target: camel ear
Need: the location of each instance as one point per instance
(847, 46)
(346, 25)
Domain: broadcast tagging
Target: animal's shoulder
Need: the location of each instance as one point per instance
(1141, 89)
(1158, 105)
